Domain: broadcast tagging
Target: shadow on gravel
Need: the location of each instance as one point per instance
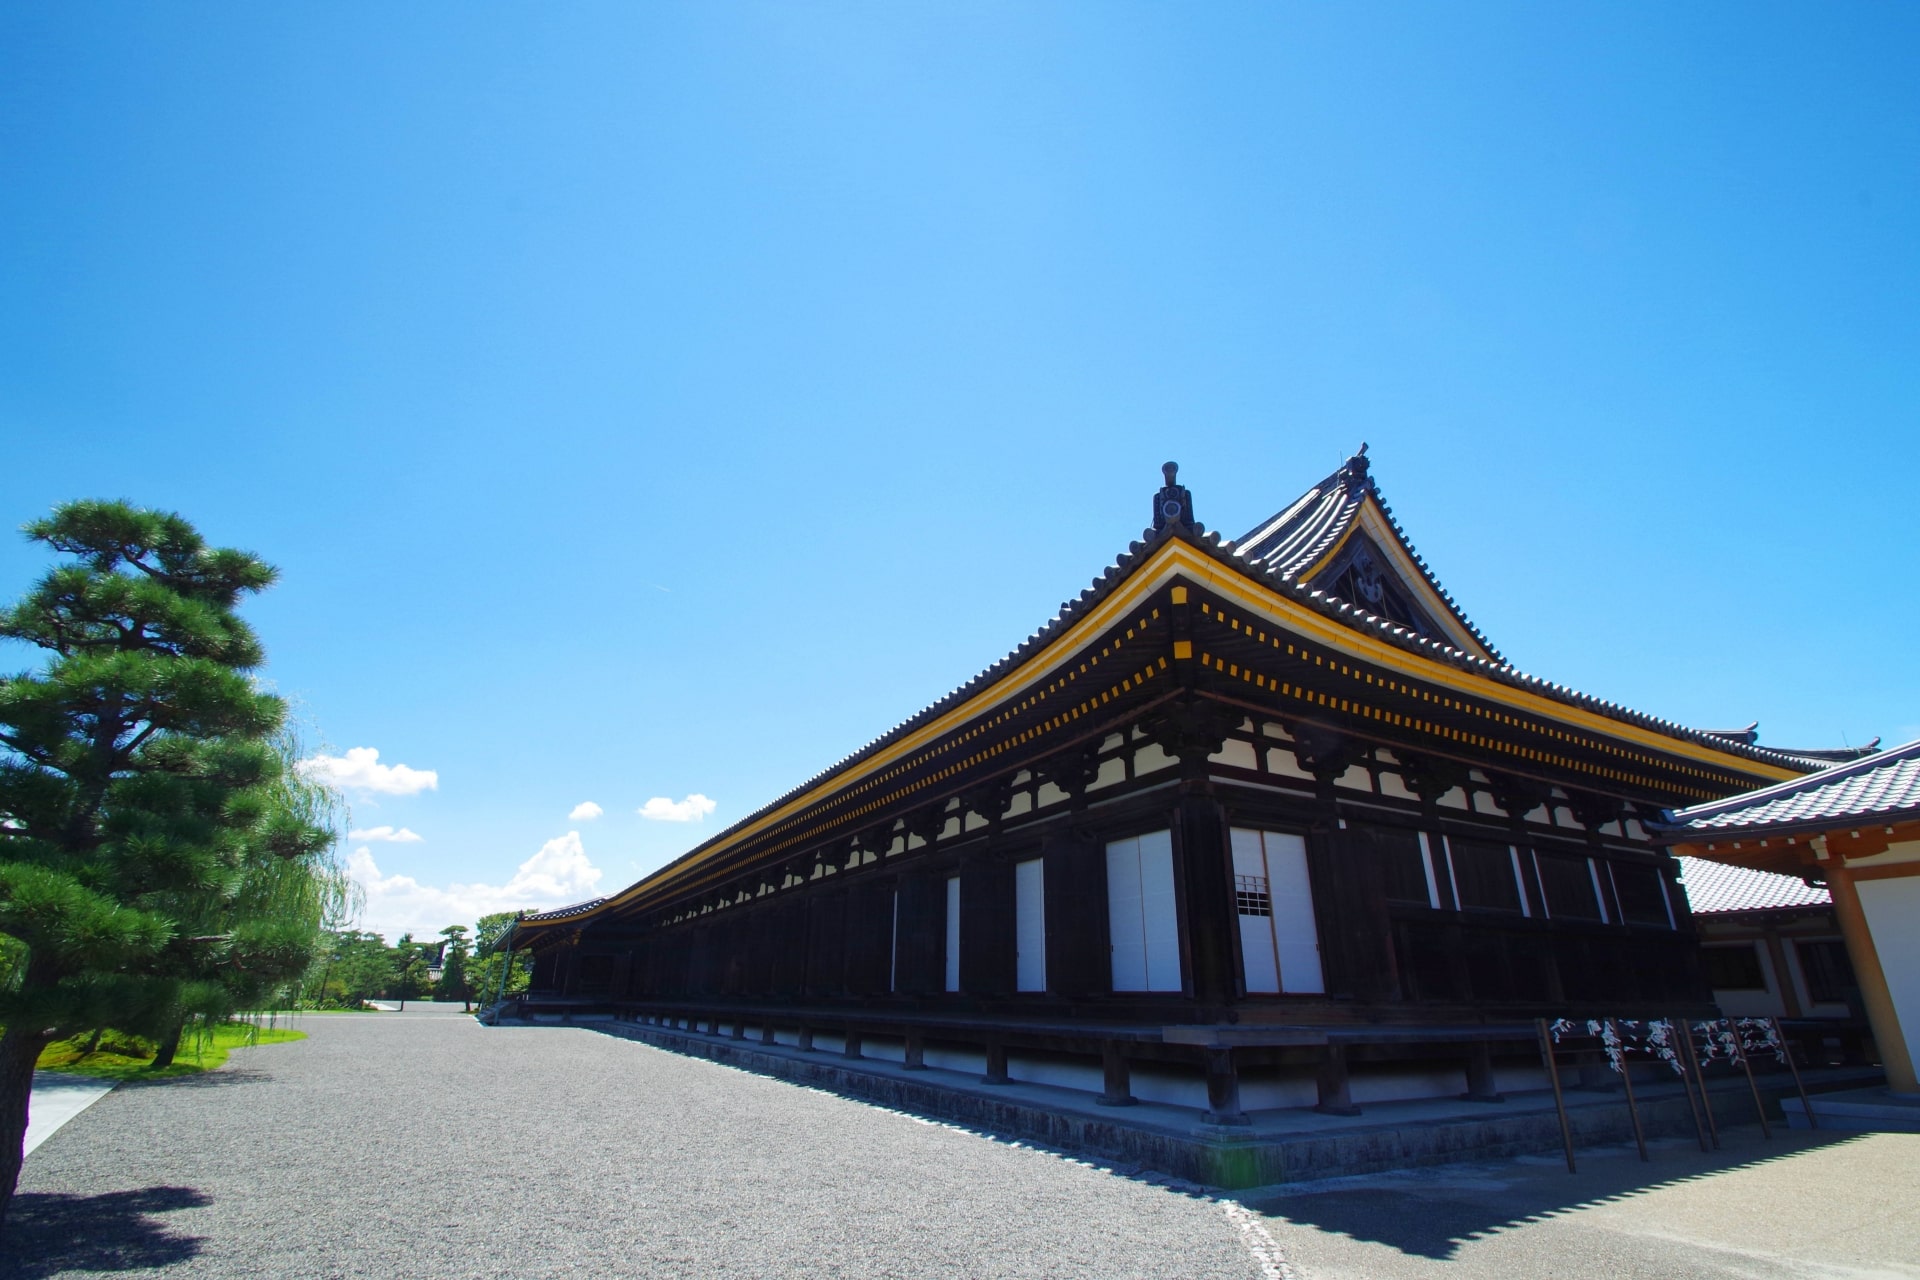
(219, 1078)
(1431, 1213)
(49, 1234)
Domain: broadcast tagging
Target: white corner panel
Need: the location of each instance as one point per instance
(953, 933)
(1030, 925)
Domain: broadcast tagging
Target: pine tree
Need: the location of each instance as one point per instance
(137, 781)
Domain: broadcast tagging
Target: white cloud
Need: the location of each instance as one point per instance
(559, 874)
(361, 770)
(585, 811)
(389, 834)
(661, 809)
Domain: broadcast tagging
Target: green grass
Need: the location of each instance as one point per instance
(124, 1057)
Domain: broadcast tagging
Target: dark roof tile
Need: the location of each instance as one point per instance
(1879, 787)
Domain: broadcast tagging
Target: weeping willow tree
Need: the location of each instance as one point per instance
(146, 796)
(264, 925)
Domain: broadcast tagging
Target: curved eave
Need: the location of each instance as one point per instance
(1212, 562)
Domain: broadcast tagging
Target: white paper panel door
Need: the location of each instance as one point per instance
(1126, 927)
(1296, 939)
(1253, 902)
(953, 933)
(1030, 925)
(1142, 923)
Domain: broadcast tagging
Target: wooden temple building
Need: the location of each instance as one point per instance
(1251, 823)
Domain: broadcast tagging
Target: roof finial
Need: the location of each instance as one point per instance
(1355, 469)
(1173, 504)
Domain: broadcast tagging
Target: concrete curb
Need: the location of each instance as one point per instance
(1222, 1157)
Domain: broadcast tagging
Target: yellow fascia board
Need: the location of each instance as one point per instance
(1376, 525)
(1176, 559)
(1035, 670)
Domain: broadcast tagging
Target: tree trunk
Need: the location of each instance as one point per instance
(93, 1042)
(19, 1050)
(169, 1045)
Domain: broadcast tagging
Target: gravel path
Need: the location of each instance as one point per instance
(418, 1144)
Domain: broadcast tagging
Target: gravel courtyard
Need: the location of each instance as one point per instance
(420, 1144)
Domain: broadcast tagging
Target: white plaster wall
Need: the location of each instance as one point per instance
(885, 1048)
(1064, 1073)
(1236, 753)
(968, 1061)
(1892, 908)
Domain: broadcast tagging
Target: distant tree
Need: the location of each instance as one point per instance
(360, 967)
(453, 968)
(137, 779)
(409, 969)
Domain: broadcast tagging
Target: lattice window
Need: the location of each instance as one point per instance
(1251, 896)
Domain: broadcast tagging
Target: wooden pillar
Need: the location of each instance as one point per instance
(739, 1027)
(986, 927)
(1223, 1089)
(1336, 1094)
(766, 1033)
(1888, 1035)
(1480, 1081)
(806, 1040)
(915, 1058)
(996, 1063)
(1206, 873)
(852, 1047)
(1119, 1076)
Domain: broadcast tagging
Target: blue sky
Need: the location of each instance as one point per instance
(650, 401)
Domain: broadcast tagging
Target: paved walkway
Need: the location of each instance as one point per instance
(1755, 1210)
(420, 1144)
(58, 1098)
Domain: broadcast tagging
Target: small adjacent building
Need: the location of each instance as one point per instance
(1854, 829)
(1267, 812)
(1770, 944)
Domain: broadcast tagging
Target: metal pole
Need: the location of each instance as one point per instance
(1626, 1077)
(1700, 1074)
(1559, 1102)
(1794, 1067)
(506, 967)
(1699, 1130)
(1740, 1050)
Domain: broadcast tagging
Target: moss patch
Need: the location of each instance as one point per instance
(119, 1056)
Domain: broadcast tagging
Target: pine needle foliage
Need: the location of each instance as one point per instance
(153, 836)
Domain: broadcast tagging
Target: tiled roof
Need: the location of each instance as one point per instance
(1715, 888)
(1295, 539)
(1228, 554)
(1878, 788)
(561, 913)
